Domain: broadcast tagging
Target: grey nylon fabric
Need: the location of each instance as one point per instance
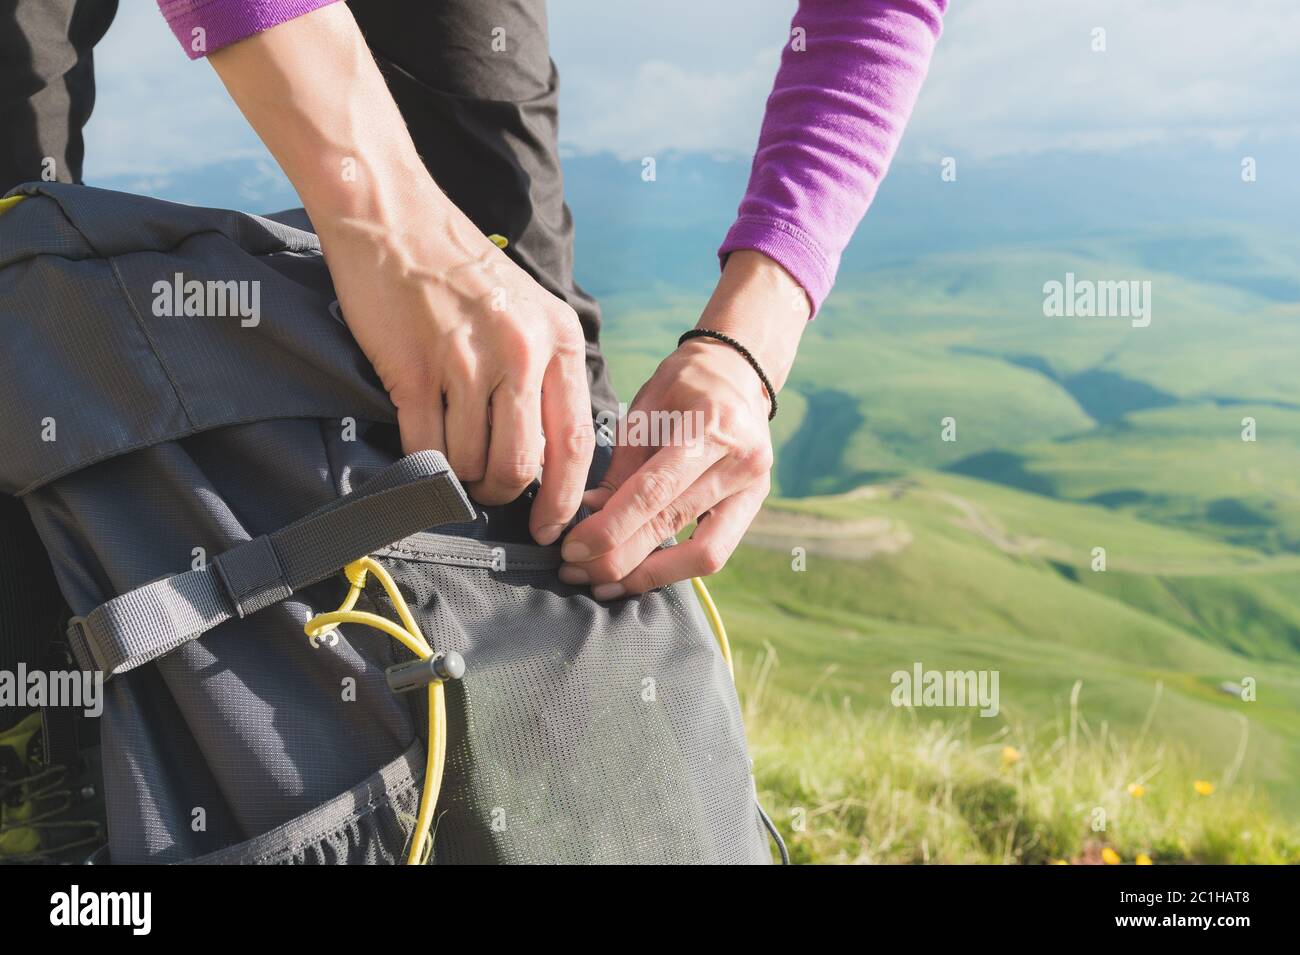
(145, 446)
(583, 732)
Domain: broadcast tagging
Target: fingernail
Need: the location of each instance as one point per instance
(608, 591)
(547, 534)
(575, 552)
(574, 575)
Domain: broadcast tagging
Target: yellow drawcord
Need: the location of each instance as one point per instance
(7, 204)
(409, 636)
(715, 621)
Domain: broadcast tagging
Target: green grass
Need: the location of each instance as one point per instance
(846, 785)
(1186, 467)
(995, 579)
(887, 413)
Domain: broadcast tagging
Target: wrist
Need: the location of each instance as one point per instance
(350, 183)
(733, 361)
(399, 218)
(759, 304)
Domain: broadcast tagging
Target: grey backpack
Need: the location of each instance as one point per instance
(200, 474)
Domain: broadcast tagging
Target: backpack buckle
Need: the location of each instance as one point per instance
(82, 647)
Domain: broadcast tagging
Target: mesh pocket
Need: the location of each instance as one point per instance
(367, 825)
(582, 732)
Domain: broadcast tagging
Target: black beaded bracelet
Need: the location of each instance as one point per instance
(744, 353)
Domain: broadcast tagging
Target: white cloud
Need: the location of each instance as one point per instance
(691, 76)
(1010, 76)
(155, 111)
(666, 106)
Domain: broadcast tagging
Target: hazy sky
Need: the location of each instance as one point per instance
(1010, 76)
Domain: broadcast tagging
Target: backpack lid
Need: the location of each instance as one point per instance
(127, 321)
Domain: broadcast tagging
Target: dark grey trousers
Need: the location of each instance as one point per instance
(483, 118)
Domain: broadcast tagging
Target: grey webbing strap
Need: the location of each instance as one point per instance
(415, 493)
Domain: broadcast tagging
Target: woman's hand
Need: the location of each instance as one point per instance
(478, 358)
(719, 470)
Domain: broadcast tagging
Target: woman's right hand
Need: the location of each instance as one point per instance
(479, 359)
(481, 362)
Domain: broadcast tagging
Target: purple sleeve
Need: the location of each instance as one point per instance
(833, 121)
(224, 22)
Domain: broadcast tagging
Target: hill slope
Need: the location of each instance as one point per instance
(956, 574)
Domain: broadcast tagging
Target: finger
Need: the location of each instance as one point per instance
(465, 422)
(515, 444)
(714, 541)
(716, 484)
(421, 424)
(655, 485)
(624, 462)
(570, 441)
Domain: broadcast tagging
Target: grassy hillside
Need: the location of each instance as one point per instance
(979, 553)
(848, 784)
(1184, 466)
(960, 575)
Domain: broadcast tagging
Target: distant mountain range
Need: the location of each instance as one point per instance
(632, 233)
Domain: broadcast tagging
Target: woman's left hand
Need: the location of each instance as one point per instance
(714, 464)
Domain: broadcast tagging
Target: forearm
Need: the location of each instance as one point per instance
(840, 102)
(312, 91)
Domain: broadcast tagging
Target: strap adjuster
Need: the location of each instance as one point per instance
(252, 576)
(82, 647)
(152, 620)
